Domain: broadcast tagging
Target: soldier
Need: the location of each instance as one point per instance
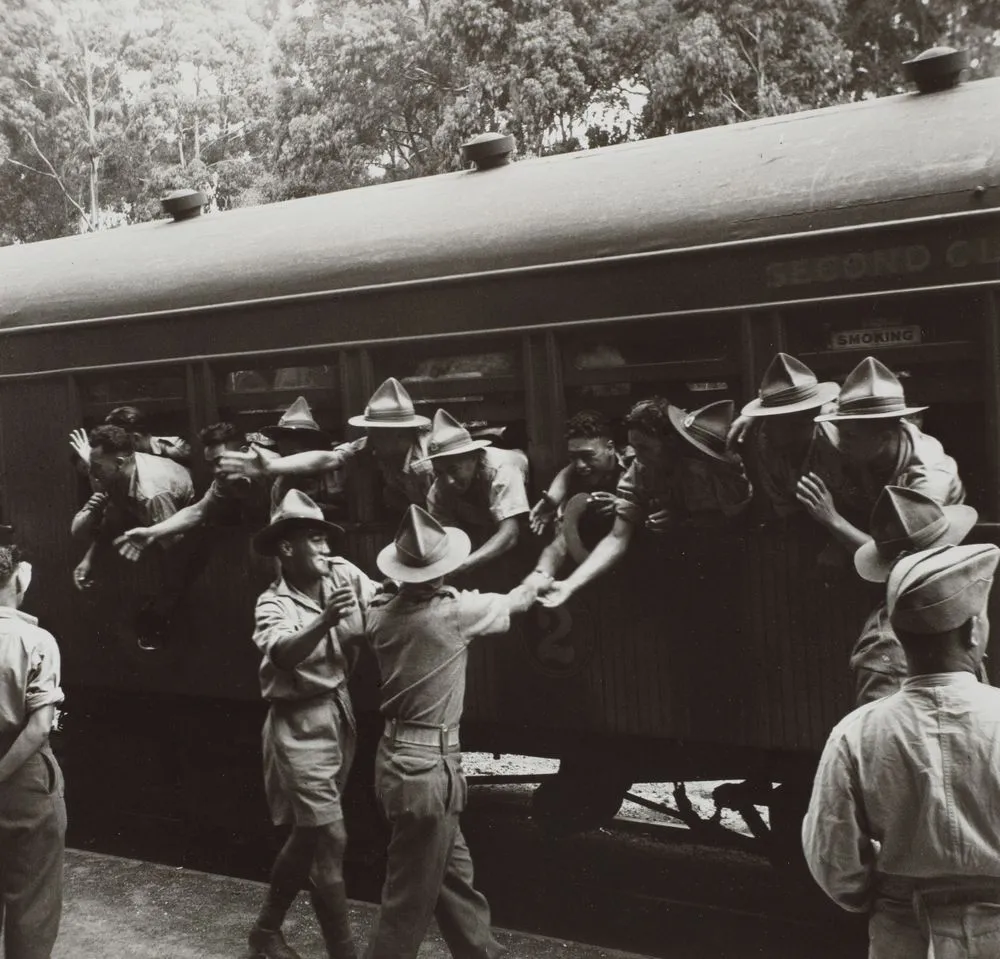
(393, 446)
(780, 440)
(878, 448)
(227, 494)
(477, 488)
(903, 521)
(309, 734)
(32, 809)
(585, 509)
(682, 476)
(421, 640)
(901, 824)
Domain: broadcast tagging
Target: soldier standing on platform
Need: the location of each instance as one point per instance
(309, 734)
(32, 809)
(669, 484)
(421, 641)
(394, 447)
(479, 489)
(902, 822)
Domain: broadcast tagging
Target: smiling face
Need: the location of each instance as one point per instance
(303, 554)
(591, 458)
(457, 472)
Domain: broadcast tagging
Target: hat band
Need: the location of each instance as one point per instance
(298, 425)
(912, 542)
(788, 395)
(442, 449)
(390, 416)
(873, 404)
(429, 559)
(707, 437)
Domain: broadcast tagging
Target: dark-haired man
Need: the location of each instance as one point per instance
(682, 476)
(227, 493)
(32, 809)
(585, 489)
(133, 420)
(130, 486)
(901, 824)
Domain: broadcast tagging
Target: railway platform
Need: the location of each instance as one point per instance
(129, 909)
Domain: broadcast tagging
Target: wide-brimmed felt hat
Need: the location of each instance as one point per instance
(789, 386)
(706, 428)
(870, 392)
(939, 589)
(297, 421)
(295, 511)
(906, 521)
(423, 549)
(575, 514)
(449, 438)
(390, 407)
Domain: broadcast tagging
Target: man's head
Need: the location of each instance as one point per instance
(112, 452)
(457, 471)
(791, 430)
(937, 602)
(590, 445)
(217, 439)
(303, 552)
(132, 420)
(651, 433)
(867, 441)
(15, 575)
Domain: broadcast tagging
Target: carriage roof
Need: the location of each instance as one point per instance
(898, 157)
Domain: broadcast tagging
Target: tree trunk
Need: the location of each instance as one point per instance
(94, 165)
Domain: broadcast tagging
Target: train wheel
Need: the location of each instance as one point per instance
(579, 797)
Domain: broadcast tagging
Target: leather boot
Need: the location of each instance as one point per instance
(330, 906)
(269, 944)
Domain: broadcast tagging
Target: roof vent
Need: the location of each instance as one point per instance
(488, 150)
(183, 204)
(936, 69)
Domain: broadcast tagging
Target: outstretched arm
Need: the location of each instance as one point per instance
(133, 542)
(607, 554)
(505, 538)
(257, 463)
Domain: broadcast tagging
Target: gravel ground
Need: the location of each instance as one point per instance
(700, 793)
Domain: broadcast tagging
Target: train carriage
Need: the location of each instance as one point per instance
(516, 295)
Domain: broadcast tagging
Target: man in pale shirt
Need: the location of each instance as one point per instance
(904, 820)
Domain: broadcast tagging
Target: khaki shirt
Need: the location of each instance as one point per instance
(29, 672)
(421, 642)
(497, 492)
(908, 785)
(282, 610)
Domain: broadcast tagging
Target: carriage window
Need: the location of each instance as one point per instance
(256, 395)
(159, 394)
(481, 384)
(691, 362)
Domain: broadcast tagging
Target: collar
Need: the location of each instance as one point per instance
(283, 588)
(929, 680)
(8, 612)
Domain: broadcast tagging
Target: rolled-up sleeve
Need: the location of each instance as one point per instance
(272, 621)
(43, 685)
(835, 840)
(508, 496)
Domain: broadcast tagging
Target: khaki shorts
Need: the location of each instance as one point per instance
(308, 750)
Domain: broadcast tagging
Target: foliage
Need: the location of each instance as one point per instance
(106, 104)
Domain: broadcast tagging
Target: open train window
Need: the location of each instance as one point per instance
(931, 342)
(691, 362)
(161, 394)
(256, 394)
(481, 383)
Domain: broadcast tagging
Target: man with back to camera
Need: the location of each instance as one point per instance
(393, 446)
(682, 475)
(421, 639)
(309, 734)
(477, 488)
(901, 824)
(32, 809)
(227, 493)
